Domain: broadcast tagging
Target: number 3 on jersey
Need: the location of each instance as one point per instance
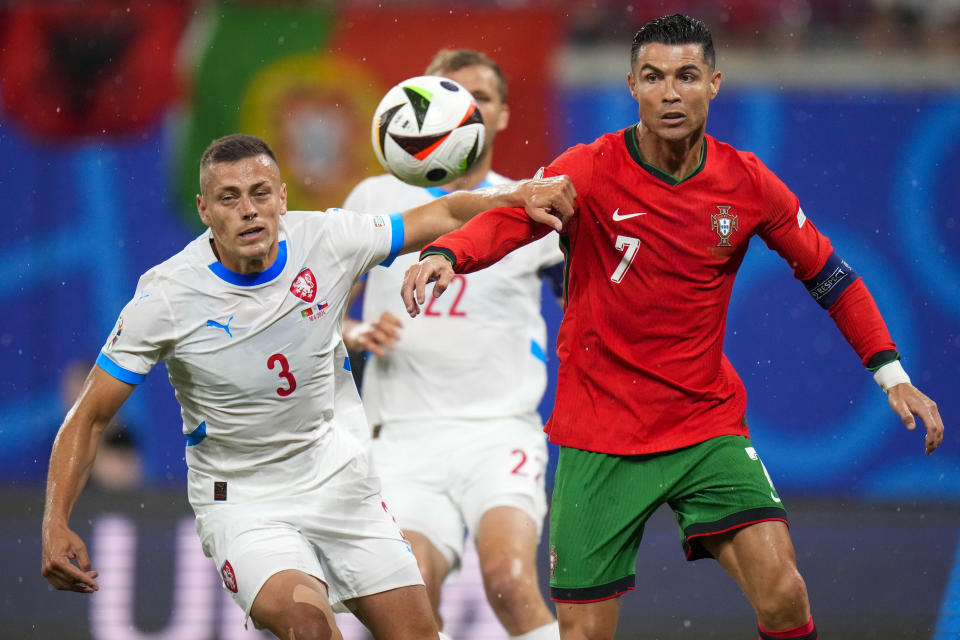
(629, 246)
(280, 359)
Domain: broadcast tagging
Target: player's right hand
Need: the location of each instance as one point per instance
(433, 268)
(549, 201)
(376, 337)
(61, 547)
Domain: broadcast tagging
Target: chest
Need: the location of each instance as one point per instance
(696, 230)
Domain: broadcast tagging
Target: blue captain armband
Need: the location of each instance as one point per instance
(833, 279)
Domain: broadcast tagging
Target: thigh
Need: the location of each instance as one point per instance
(757, 556)
(590, 620)
(290, 598)
(398, 614)
(507, 534)
(502, 463)
(600, 506)
(250, 545)
(718, 486)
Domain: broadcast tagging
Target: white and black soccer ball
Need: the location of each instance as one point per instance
(427, 131)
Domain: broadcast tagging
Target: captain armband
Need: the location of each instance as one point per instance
(833, 279)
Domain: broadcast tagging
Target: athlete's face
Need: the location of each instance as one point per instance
(242, 203)
(481, 81)
(673, 87)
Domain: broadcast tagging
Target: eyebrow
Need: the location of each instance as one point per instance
(686, 67)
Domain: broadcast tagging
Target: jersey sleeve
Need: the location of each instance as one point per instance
(364, 240)
(143, 334)
(486, 238)
(493, 234)
(829, 279)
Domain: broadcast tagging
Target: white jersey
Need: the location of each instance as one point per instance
(477, 352)
(257, 361)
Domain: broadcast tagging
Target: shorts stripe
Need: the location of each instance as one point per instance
(593, 594)
(695, 549)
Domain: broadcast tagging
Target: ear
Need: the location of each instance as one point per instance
(504, 118)
(283, 198)
(202, 210)
(633, 89)
(715, 84)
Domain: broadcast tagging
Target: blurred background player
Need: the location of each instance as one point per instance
(453, 396)
(649, 411)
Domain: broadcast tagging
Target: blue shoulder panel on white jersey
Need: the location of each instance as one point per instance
(118, 372)
(252, 279)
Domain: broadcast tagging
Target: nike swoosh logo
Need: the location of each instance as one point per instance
(617, 216)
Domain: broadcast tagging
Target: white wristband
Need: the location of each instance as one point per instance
(890, 375)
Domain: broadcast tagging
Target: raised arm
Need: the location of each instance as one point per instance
(73, 453)
(545, 200)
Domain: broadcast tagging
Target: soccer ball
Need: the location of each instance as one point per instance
(427, 131)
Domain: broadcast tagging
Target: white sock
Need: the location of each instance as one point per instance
(444, 636)
(549, 631)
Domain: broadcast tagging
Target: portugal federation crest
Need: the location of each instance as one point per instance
(304, 286)
(724, 223)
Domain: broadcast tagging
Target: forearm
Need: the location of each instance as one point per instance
(859, 320)
(486, 239)
(74, 451)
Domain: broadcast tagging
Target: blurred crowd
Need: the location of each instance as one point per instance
(929, 26)
(919, 25)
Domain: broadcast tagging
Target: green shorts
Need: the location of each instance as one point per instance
(601, 503)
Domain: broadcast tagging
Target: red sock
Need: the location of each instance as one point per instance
(803, 632)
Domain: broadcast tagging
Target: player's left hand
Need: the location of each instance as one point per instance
(549, 201)
(433, 268)
(907, 401)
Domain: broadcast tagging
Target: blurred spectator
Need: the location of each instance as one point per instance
(933, 25)
(118, 467)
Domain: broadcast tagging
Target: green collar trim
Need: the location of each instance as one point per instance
(633, 147)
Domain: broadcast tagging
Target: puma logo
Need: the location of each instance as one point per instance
(225, 327)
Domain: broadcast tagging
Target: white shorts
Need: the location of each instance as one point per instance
(341, 533)
(440, 477)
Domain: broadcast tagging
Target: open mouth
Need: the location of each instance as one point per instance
(673, 117)
(249, 234)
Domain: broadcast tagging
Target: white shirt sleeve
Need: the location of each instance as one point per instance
(142, 335)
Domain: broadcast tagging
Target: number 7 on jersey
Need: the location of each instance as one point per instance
(629, 246)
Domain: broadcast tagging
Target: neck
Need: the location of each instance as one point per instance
(244, 265)
(677, 157)
(477, 174)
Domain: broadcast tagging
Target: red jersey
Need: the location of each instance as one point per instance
(650, 266)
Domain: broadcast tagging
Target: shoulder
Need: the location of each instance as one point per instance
(730, 158)
(378, 188)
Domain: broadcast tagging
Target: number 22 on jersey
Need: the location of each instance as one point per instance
(455, 307)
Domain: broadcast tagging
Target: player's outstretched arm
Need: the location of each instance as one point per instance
(910, 403)
(546, 201)
(73, 453)
(435, 268)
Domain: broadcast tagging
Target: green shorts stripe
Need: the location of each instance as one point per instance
(601, 504)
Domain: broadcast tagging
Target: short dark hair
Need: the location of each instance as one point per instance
(236, 146)
(675, 29)
(447, 60)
